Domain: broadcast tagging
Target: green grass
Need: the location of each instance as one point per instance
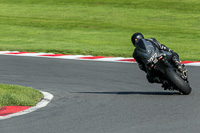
(18, 95)
(99, 27)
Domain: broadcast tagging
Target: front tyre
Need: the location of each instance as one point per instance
(177, 81)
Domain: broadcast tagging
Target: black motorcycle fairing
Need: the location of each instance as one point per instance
(147, 51)
(141, 45)
(167, 54)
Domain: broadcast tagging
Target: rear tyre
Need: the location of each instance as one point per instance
(177, 81)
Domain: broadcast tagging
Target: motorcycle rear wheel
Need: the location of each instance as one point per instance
(177, 81)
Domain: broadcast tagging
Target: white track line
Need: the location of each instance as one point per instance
(77, 57)
(47, 98)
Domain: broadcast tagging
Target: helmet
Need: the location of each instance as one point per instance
(135, 37)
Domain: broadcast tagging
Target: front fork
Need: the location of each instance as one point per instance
(183, 75)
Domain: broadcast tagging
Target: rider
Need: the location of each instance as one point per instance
(143, 59)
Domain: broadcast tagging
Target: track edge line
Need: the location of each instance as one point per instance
(44, 102)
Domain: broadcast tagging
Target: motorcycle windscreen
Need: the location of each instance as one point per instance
(147, 51)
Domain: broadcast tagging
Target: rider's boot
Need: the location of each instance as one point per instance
(180, 67)
(164, 83)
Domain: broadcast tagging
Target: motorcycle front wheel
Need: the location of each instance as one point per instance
(177, 81)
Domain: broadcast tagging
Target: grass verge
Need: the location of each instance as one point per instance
(99, 27)
(18, 95)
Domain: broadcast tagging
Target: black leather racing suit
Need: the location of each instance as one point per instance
(142, 54)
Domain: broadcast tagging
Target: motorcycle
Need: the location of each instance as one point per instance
(172, 78)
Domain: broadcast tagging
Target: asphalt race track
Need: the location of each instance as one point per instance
(99, 97)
